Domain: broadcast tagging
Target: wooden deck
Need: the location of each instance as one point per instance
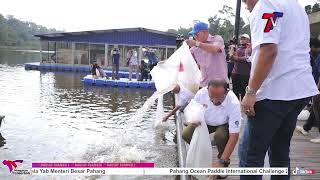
(304, 154)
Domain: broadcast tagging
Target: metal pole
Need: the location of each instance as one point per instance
(237, 21)
(48, 50)
(56, 51)
(166, 52)
(41, 52)
(106, 63)
(72, 52)
(89, 53)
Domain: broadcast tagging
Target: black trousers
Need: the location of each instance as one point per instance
(239, 84)
(144, 75)
(271, 130)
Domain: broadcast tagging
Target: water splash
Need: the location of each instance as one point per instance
(147, 106)
(124, 150)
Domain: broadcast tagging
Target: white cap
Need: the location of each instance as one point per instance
(245, 36)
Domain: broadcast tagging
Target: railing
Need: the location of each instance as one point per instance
(182, 150)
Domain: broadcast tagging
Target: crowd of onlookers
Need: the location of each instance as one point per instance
(138, 68)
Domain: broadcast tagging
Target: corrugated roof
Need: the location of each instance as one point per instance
(135, 36)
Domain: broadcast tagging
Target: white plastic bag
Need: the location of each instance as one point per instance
(200, 149)
(304, 115)
(189, 75)
(98, 73)
(167, 74)
(180, 68)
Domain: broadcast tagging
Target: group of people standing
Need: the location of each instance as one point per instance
(141, 69)
(144, 67)
(272, 83)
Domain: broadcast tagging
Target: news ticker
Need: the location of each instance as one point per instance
(147, 169)
(160, 171)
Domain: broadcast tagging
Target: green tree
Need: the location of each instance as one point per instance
(172, 31)
(184, 31)
(3, 29)
(316, 8)
(14, 32)
(221, 24)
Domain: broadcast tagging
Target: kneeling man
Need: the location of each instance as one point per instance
(222, 116)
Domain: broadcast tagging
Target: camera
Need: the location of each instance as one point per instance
(179, 40)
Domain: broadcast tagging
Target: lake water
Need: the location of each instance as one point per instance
(53, 117)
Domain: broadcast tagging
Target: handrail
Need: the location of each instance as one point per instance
(182, 150)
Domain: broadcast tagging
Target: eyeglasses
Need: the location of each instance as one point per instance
(218, 102)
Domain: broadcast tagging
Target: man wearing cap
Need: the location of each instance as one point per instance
(152, 59)
(280, 85)
(209, 53)
(241, 70)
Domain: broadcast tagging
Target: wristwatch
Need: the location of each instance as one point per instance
(197, 43)
(250, 91)
(224, 162)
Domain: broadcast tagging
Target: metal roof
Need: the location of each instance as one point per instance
(128, 36)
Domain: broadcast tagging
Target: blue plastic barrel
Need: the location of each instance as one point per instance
(89, 81)
(144, 84)
(109, 82)
(122, 84)
(27, 66)
(134, 84)
(47, 67)
(114, 83)
(68, 68)
(100, 82)
(60, 67)
(153, 85)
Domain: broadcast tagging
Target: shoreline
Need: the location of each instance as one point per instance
(19, 48)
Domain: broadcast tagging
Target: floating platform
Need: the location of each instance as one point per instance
(122, 82)
(72, 68)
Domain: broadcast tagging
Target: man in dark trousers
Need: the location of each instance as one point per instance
(241, 70)
(313, 120)
(115, 63)
(281, 82)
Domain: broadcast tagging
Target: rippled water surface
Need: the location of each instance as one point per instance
(53, 117)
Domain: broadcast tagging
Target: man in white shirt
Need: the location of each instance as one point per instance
(222, 116)
(280, 85)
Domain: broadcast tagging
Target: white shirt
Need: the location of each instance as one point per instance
(228, 112)
(184, 96)
(291, 75)
(133, 60)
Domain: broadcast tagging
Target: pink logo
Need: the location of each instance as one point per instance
(11, 164)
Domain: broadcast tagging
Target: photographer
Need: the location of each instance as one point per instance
(209, 53)
(230, 45)
(241, 70)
